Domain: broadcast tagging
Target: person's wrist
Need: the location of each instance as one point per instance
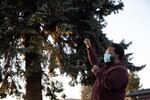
(88, 46)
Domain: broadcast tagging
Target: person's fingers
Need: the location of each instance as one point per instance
(86, 40)
(87, 43)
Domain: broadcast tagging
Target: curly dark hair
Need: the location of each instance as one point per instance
(118, 50)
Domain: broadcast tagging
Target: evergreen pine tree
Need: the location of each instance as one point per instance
(28, 54)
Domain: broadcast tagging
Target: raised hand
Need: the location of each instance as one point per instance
(87, 42)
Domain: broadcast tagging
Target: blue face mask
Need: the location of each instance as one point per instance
(107, 57)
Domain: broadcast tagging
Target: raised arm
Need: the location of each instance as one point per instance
(91, 53)
(92, 56)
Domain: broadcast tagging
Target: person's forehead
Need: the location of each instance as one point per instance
(110, 49)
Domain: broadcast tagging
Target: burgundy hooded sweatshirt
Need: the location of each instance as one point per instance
(111, 81)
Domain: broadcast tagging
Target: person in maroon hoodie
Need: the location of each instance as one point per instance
(111, 76)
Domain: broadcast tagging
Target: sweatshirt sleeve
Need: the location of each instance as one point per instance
(92, 56)
(116, 79)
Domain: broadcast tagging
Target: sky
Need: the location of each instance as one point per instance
(131, 24)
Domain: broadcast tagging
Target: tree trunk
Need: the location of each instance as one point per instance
(33, 79)
(33, 75)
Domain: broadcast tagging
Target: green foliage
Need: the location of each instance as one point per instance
(127, 58)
